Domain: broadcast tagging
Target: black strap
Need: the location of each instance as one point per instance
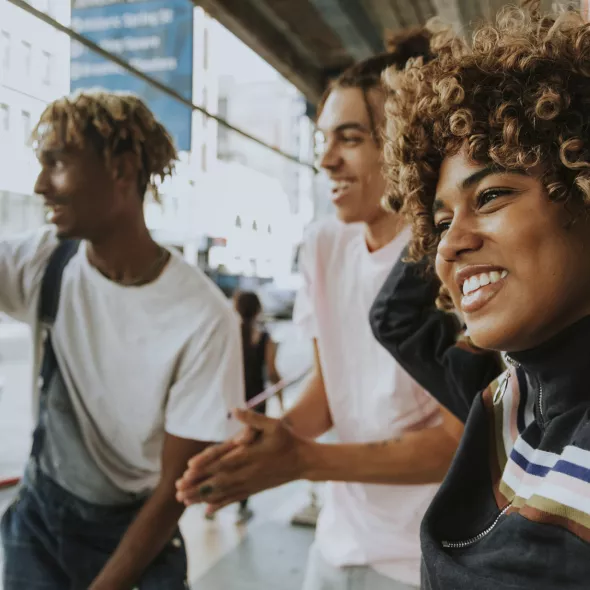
(48, 305)
(51, 284)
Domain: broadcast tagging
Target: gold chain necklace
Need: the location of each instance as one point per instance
(153, 271)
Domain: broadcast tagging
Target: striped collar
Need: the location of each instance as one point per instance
(560, 369)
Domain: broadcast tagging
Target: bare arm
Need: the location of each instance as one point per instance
(418, 457)
(426, 341)
(310, 417)
(225, 474)
(155, 524)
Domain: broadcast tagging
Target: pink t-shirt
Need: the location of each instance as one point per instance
(371, 398)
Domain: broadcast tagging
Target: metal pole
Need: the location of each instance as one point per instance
(152, 81)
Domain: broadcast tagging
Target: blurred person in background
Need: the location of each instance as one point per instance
(141, 361)
(259, 353)
(395, 442)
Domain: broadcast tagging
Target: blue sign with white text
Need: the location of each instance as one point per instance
(154, 36)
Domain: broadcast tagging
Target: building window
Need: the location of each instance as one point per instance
(26, 49)
(206, 45)
(26, 126)
(46, 60)
(5, 39)
(4, 118)
(204, 157)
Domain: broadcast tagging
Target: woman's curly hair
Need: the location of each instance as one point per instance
(519, 97)
(115, 123)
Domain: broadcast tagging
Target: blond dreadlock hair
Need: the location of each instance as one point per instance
(116, 123)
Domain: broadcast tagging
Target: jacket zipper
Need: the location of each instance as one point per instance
(486, 532)
(539, 395)
(477, 538)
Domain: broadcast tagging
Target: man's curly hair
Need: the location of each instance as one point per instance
(114, 123)
(518, 98)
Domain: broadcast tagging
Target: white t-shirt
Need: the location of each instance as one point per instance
(371, 398)
(137, 361)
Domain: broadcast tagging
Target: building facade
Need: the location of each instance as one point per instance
(34, 60)
(230, 194)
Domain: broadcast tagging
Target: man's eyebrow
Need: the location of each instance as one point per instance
(347, 126)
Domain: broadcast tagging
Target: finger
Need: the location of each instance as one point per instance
(212, 453)
(255, 420)
(239, 458)
(247, 436)
(225, 485)
(231, 460)
(223, 473)
(196, 494)
(199, 462)
(189, 480)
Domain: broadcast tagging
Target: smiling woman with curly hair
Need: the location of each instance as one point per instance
(488, 154)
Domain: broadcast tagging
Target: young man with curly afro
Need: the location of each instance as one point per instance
(489, 155)
(140, 359)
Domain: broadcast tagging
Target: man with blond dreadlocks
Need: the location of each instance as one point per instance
(139, 363)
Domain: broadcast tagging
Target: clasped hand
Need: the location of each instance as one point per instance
(266, 454)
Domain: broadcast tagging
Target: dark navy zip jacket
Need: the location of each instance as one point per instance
(514, 509)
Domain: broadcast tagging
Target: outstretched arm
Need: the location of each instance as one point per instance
(228, 473)
(426, 341)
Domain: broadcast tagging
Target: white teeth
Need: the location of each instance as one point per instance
(487, 278)
(341, 186)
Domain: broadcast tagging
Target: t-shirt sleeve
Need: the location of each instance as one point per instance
(23, 259)
(209, 383)
(304, 313)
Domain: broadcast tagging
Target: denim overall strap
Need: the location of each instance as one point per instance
(48, 306)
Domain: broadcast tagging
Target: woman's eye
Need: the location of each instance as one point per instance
(442, 226)
(489, 195)
(352, 140)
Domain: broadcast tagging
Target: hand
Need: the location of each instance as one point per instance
(265, 455)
